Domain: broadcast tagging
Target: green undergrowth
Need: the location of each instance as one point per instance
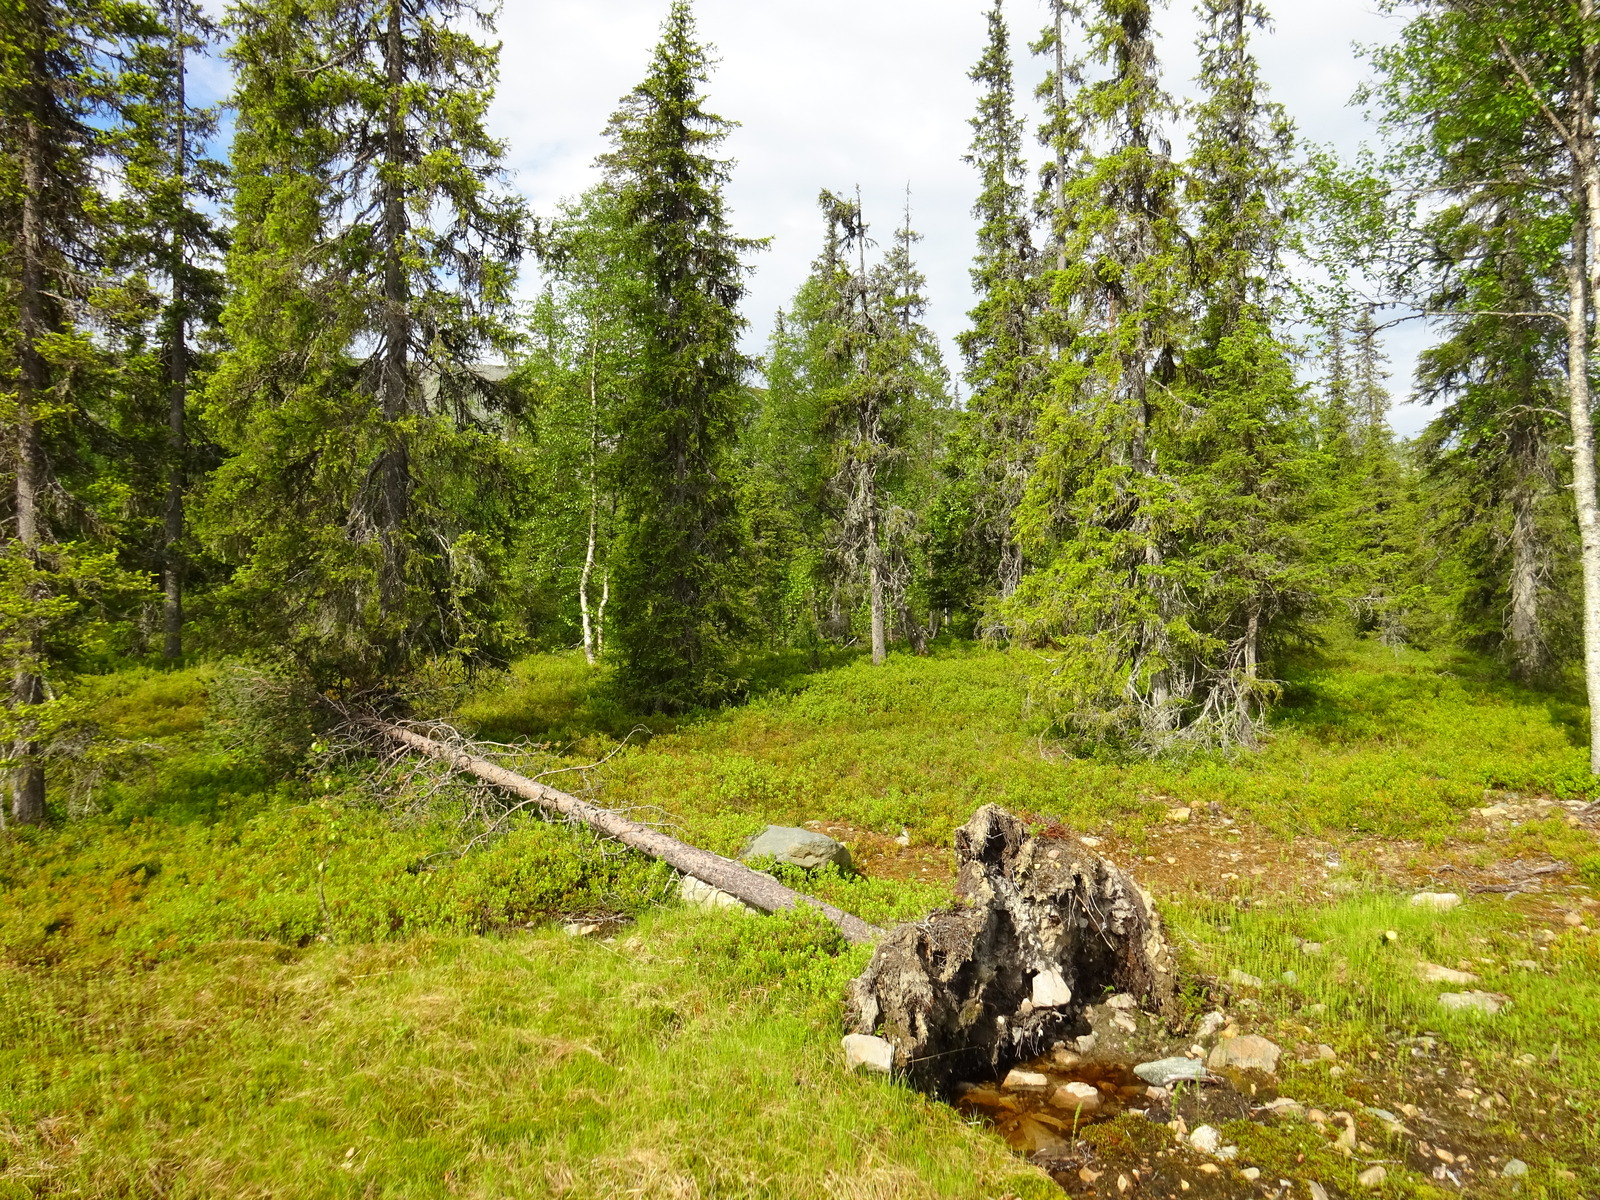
(693, 1057)
(1368, 739)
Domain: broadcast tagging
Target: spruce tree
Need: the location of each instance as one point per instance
(1101, 508)
(61, 99)
(1245, 454)
(676, 591)
(368, 500)
(1005, 370)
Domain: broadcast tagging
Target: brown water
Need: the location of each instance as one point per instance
(1035, 1120)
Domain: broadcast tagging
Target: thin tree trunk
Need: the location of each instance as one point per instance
(589, 650)
(1581, 418)
(178, 376)
(395, 472)
(880, 651)
(1061, 158)
(600, 613)
(1523, 630)
(27, 688)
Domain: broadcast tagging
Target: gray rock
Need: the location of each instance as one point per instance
(1372, 1177)
(1087, 1043)
(1025, 1081)
(1310, 948)
(1166, 1071)
(1316, 1190)
(1515, 1169)
(1433, 973)
(1050, 990)
(1123, 1001)
(1240, 979)
(1209, 1024)
(1284, 1107)
(863, 1052)
(1487, 1003)
(1084, 1097)
(797, 848)
(702, 895)
(1247, 1052)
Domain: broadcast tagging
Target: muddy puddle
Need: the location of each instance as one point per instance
(1040, 1107)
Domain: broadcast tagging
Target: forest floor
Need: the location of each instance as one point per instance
(229, 977)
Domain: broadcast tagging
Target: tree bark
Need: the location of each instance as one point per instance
(178, 380)
(395, 469)
(1523, 630)
(754, 888)
(1581, 418)
(27, 688)
(880, 651)
(590, 650)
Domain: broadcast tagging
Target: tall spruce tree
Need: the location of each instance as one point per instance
(1245, 452)
(1101, 506)
(1005, 370)
(368, 501)
(167, 257)
(62, 69)
(675, 566)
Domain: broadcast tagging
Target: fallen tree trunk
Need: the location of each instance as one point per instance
(754, 888)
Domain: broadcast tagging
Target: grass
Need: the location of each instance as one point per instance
(231, 981)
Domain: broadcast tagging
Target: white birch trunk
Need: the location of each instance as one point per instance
(591, 647)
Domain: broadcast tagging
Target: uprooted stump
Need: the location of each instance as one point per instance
(1045, 928)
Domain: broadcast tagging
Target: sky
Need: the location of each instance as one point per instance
(840, 93)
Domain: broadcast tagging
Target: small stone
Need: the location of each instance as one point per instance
(1018, 1080)
(1285, 1107)
(797, 848)
(1084, 1097)
(1318, 1192)
(1515, 1169)
(1087, 1175)
(1178, 816)
(1209, 1024)
(1090, 842)
(580, 929)
(1372, 1177)
(1487, 1003)
(863, 1052)
(1123, 1183)
(1251, 1173)
(1210, 1169)
(1240, 979)
(1524, 964)
(1164, 1072)
(1064, 1058)
(1123, 1001)
(1311, 948)
(1290, 978)
(1391, 935)
(1246, 1053)
(1050, 990)
(1157, 1094)
(1433, 973)
(904, 839)
(1087, 1043)
(702, 895)
(1125, 1023)
(1436, 901)
(1207, 1139)
(1573, 918)
(1326, 1053)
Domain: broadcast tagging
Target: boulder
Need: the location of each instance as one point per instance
(797, 848)
(1033, 912)
(1246, 1052)
(870, 1054)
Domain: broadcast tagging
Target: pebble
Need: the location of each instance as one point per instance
(1246, 1053)
(1290, 978)
(1019, 1080)
(1090, 842)
(1515, 1169)
(1251, 1173)
(1311, 948)
(1087, 1043)
(1436, 901)
(1240, 979)
(1210, 1023)
(1487, 1003)
(1318, 1192)
(1326, 1053)
(1178, 815)
(1125, 1023)
(1084, 1097)
(702, 895)
(580, 929)
(1372, 1177)
(1166, 1071)
(863, 1052)
(1433, 973)
(1123, 1001)
(1285, 1107)
(904, 839)
(1207, 1139)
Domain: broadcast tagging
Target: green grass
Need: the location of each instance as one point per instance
(231, 981)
